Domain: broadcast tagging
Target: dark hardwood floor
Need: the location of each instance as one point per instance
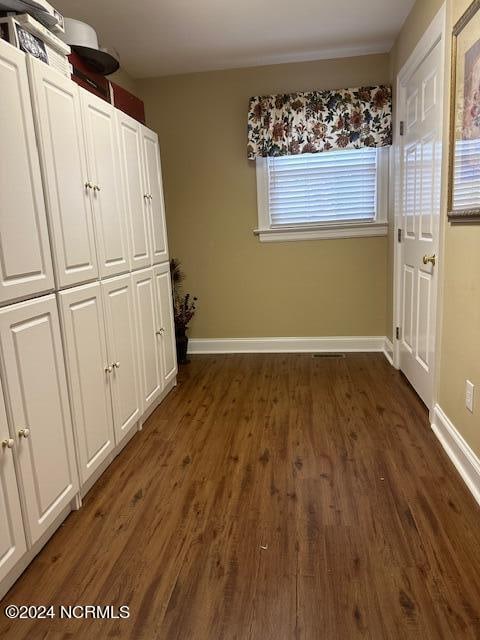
(271, 497)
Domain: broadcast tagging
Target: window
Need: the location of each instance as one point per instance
(323, 195)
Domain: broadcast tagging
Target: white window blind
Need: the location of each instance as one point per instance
(466, 192)
(338, 186)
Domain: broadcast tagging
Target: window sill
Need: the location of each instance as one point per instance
(325, 231)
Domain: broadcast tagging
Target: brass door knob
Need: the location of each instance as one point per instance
(116, 365)
(96, 187)
(431, 259)
(24, 433)
(108, 369)
(8, 443)
(88, 185)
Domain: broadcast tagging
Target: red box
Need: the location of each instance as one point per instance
(128, 103)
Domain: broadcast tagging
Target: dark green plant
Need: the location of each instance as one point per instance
(183, 304)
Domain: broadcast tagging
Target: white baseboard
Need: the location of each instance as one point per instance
(388, 350)
(465, 460)
(287, 345)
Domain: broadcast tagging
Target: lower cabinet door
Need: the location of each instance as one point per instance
(12, 536)
(36, 389)
(89, 373)
(151, 383)
(165, 325)
(122, 351)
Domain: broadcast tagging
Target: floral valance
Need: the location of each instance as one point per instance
(293, 123)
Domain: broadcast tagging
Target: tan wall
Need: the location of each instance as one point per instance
(459, 340)
(247, 288)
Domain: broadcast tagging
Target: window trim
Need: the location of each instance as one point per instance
(323, 230)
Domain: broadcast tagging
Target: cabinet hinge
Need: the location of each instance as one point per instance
(402, 127)
(399, 235)
(397, 333)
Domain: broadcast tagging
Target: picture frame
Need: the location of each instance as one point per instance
(464, 151)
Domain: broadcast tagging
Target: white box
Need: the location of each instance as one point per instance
(27, 34)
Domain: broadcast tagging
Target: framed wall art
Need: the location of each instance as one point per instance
(464, 170)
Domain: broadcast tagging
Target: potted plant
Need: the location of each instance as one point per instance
(183, 310)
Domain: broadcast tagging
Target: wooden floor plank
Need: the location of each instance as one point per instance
(271, 497)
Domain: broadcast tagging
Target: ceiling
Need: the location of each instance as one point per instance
(164, 37)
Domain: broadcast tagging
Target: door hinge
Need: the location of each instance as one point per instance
(402, 127)
(397, 333)
(399, 235)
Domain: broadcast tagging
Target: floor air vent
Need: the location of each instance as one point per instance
(328, 355)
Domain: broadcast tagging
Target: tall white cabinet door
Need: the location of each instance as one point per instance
(25, 262)
(165, 325)
(59, 128)
(12, 537)
(89, 375)
(154, 190)
(135, 195)
(122, 353)
(38, 398)
(150, 364)
(104, 174)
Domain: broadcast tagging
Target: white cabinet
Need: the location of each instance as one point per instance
(135, 194)
(88, 371)
(25, 262)
(165, 324)
(105, 184)
(154, 193)
(151, 383)
(122, 351)
(41, 425)
(12, 537)
(56, 103)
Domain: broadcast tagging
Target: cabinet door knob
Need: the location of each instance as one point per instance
(88, 185)
(24, 433)
(145, 195)
(160, 332)
(108, 369)
(116, 365)
(8, 443)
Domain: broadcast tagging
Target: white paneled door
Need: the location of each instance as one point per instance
(89, 375)
(57, 112)
(25, 262)
(165, 326)
(420, 213)
(151, 377)
(38, 399)
(12, 537)
(154, 195)
(135, 195)
(104, 180)
(122, 351)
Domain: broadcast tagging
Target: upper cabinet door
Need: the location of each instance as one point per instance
(106, 192)
(41, 423)
(12, 536)
(165, 325)
(135, 195)
(56, 104)
(154, 192)
(89, 375)
(25, 261)
(150, 363)
(122, 353)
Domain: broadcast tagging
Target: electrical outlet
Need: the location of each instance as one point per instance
(469, 394)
